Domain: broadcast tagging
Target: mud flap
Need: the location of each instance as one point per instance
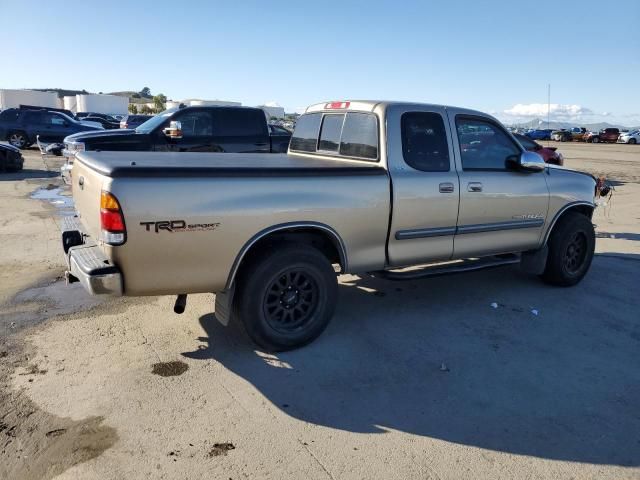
(534, 261)
(224, 306)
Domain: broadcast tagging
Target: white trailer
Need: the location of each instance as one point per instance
(109, 104)
(15, 98)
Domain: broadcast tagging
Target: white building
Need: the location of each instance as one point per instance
(14, 98)
(109, 104)
(273, 110)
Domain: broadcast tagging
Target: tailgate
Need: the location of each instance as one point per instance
(86, 185)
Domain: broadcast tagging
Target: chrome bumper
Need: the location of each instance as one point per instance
(89, 266)
(86, 263)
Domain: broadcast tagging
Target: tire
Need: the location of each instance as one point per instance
(632, 141)
(18, 139)
(595, 140)
(287, 297)
(571, 247)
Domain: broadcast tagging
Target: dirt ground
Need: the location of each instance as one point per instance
(420, 379)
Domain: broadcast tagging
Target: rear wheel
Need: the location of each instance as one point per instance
(595, 140)
(287, 297)
(632, 141)
(571, 247)
(18, 139)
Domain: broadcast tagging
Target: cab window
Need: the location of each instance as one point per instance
(424, 142)
(196, 124)
(484, 145)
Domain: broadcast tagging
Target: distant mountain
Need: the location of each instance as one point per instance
(540, 123)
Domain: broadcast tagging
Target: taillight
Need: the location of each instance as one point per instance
(112, 225)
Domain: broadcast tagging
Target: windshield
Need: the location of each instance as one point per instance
(67, 117)
(154, 122)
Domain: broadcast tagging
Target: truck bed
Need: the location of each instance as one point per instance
(191, 164)
(237, 197)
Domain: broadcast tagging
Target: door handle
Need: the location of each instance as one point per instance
(474, 187)
(446, 187)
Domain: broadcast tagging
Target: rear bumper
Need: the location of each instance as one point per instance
(87, 264)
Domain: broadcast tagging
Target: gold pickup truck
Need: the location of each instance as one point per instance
(366, 187)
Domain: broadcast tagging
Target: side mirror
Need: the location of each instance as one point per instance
(174, 130)
(528, 162)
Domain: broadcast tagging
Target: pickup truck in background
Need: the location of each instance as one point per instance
(366, 187)
(188, 129)
(606, 135)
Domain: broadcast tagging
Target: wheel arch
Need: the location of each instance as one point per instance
(322, 236)
(582, 207)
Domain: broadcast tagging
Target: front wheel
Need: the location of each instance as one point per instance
(632, 141)
(18, 139)
(287, 297)
(571, 246)
(595, 140)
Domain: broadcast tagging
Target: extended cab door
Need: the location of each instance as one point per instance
(502, 210)
(240, 130)
(425, 187)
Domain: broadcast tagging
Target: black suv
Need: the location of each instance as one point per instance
(190, 129)
(21, 127)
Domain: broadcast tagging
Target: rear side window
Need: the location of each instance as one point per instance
(305, 136)
(360, 136)
(351, 134)
(239, 122)
(424, 142)
(330, 132)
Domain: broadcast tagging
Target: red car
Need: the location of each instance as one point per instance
(549, 154)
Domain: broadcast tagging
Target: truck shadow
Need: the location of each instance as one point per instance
(550, 372)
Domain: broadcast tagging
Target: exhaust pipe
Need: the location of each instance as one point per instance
(181, 303)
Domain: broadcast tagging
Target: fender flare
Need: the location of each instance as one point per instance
(560, 213)
(339, 243)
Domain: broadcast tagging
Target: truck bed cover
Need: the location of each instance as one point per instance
(190, 164)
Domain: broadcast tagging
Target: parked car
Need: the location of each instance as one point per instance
(542, 134)
(578, 134)
(10, 158)
(20, 127)
(133, 121)
(561, 136)
(549, 154)
(367, 187)
(190, 129)
(280, 138)
(105, 116)
(606, 135)
(631, 137)
(106, 124)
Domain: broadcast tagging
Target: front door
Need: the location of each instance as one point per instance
(197, 132)
(425, 185)
(502, 210)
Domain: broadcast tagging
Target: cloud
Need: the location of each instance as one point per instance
(557, 111)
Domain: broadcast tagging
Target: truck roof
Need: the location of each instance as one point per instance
(371, 105)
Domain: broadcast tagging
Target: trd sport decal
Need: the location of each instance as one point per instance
(178, 226)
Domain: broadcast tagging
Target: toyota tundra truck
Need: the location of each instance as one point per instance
(366, 187)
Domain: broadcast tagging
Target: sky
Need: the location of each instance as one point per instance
(496, 57)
